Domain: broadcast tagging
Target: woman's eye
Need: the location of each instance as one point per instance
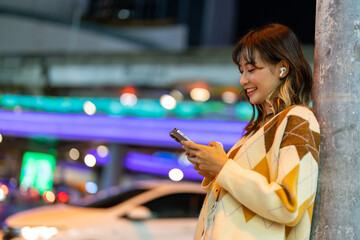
(251, 70)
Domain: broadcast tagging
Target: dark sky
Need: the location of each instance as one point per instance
(298, 15)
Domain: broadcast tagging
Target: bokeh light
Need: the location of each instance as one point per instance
(124, 14)
(176, 174)
(90, 160)
(47, 232)
(128, 99)
(89, 108)
(91, 187)
(168, 102)
(2, 195)
(200, 94)
(229, 97)
(36, 233)
(49, 196)
(63, 197)
(29, 233)
(74, 154)
(177, 95)
(102, 151)
(5, 189)
(1, 138)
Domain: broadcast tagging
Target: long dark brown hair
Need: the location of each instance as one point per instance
(276, 42)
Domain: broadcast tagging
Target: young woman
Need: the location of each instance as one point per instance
(264, 187)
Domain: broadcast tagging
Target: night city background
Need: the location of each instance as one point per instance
(91, 89)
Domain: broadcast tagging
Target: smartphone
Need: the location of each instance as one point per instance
(178, 135)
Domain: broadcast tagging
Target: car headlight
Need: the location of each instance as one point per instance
(30, 233)
(38, 233)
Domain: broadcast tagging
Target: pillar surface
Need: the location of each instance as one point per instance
(337, 106)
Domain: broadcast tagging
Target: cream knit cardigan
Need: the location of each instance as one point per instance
(267, 188)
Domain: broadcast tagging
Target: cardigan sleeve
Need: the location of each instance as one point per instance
(285, 199)
(206, 183)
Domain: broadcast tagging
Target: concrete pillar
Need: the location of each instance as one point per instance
(337, 106)
(114, 170)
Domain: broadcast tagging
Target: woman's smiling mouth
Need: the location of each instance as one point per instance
(250, 91)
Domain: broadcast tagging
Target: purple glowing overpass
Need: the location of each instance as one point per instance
(125, 130)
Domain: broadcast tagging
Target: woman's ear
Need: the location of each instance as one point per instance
(282, 69)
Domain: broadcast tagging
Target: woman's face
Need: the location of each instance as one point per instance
(259, 81)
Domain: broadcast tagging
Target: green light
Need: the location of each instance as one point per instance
(37, 171)
(187, 109)
(112, 106)
(244, 111)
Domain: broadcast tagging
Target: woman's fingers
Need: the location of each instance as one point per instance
(193, 159)
(190, 152)
(208, 158)
(196, 167)
(190, 145)
(193, 148)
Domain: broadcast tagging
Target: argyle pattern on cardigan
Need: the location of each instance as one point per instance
(268, 187)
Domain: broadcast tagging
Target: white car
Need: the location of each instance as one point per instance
(150, 210)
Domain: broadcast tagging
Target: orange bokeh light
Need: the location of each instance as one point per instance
(5, 189)
(49, 196)
(129, 89)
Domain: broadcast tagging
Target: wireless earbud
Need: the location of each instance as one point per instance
(282, 69)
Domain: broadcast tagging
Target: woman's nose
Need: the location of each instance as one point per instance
(243, 80)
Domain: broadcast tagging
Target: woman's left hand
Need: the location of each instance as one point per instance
(209, 158)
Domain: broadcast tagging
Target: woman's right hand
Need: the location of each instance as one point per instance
(203, 173)
(209, 158)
